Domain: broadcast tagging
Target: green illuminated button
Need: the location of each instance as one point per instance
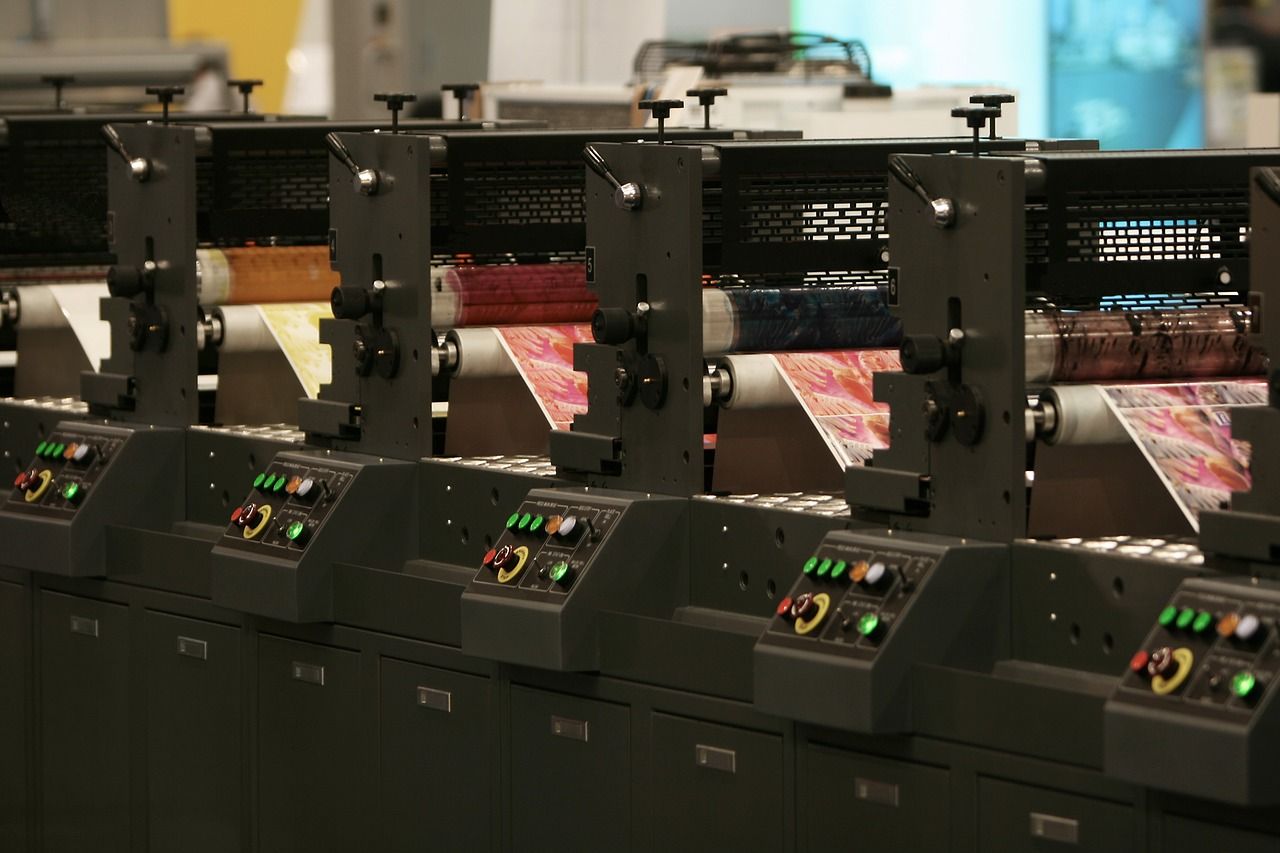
(1185, 617)
(294, 530)
(258, 480)
(868, 623)
(1202, 623)
(41, 448)
(838, 570)
(269, 482)
(56, 450)
(810, 564)
(279, 483)
(1243, 683)
(513, 520)
(71, 491)
(559, 571)
(823, 568)
(1167, 616)
(524, 521)
(536, 524)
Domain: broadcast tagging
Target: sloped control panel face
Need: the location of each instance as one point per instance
(64, 471)
(546, 549)
(1210, 654)
(286, 506)
(848, 599)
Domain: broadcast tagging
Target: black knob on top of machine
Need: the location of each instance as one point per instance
(349, 302)
(613, 326)
(661, 110)
(992, 100)
(58, 82)
(922, 354)
(245, 88)
(462, 93)
(707, 97)
(165, 95)
(395, 102)
(976, 118)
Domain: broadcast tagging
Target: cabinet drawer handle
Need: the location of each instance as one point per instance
(715, 758)
(873, 791)
(1065, 830)
(572, 729)
(193, 648)
(84, 625)
(436, 700)
(311, 673)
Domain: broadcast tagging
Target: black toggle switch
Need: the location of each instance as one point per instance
(707, 97)
(245, 88)
(462, 93)
(661, 110)
(165, 95)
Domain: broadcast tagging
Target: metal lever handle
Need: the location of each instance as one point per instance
(1269, 182)
(628, 196)
(366, 181)
(944, 214)
(139, 167)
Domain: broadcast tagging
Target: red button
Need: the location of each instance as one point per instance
(1138, 662)
(489, 555)
(784, 607)
(20, 481)
(235, 514)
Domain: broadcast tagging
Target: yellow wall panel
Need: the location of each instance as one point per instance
(258, 35)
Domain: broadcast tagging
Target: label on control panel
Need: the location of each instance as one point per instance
(63, 471)
(547, 547)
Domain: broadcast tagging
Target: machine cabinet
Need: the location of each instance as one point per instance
(715, 787)
(882, 803)
(570, 773)
(436, 786)
(15, 654)
(195, 742)
(311, 751)
(84, 715)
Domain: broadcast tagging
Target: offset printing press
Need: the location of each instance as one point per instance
(1061, 312)
(208, 221)
(448, 246)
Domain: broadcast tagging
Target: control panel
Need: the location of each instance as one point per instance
(546, 546)
(63, 471)
(286, 505)
(82, 478)
(306, 511)
(565, 556)
(863, 609)
(1205, 675)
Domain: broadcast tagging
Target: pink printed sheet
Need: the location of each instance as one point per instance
(544, 357)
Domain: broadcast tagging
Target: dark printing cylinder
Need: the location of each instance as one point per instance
(1064, 346)
(764, 319)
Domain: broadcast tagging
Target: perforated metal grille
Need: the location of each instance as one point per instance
(870, 279)
(524, 193)
(790, 208)
(1169, 301)
(1133, 226)
(61, 204)
(277, 179)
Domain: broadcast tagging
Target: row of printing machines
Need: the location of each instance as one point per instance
(665, 627)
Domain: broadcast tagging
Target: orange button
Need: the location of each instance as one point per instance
(1227, 624)
(859, 571)
(70, 451)
(292, 486)
(553, 524)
